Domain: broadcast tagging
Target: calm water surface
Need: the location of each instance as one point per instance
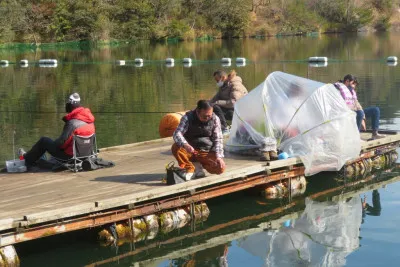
(128, 103)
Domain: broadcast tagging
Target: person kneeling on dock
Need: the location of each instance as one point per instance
(347, 89)
(78, 121)
(198, 139)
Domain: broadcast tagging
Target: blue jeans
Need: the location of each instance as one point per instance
(370, 112)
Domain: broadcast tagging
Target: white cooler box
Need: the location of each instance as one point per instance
(16, 165)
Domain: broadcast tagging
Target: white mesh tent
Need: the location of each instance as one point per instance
(299, 116)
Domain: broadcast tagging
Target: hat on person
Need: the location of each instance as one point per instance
(74, 98)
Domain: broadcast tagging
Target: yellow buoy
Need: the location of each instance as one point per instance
(169, 123)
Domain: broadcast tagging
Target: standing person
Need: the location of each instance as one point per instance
(199, 138)
(231, 89)
(78, 121)
(347, 90)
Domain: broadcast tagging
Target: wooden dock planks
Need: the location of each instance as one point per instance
(47, 196)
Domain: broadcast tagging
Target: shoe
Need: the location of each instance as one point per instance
(377, 136)
(184, 174)
(273, 155)
(265, 156)
(226, 132)
(199, 172)
(188, 176)
(21, 153)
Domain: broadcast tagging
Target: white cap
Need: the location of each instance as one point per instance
(74, 98)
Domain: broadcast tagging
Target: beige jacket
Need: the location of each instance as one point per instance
(229, 93)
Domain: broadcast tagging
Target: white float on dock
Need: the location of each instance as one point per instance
(187, 65)
(120, 62)
(48, 61)
(317, 59)
(226, 60)
(48, 65)
(318, 64)
(391, 59)
(4, 63)
(23, 63)
(187, 60)
(241, 60)
(170, 61)
(138, 60)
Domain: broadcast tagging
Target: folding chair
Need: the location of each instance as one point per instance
(83, 147)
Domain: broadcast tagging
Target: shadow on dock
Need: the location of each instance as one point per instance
(152, 179)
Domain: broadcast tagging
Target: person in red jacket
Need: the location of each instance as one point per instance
(78, 121)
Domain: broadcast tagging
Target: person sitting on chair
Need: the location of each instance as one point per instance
(78, 121)
(231, 89)
(347, 90)
(199, 138)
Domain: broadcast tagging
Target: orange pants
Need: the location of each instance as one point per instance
(207, 159)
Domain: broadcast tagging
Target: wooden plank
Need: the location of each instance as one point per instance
(59, 214)
(41, 197)
(139, 144)
(178, 188)
(6, 224)
(378, 142)
(283, 163)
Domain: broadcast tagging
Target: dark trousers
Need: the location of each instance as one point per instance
(223, 114)
(371, 112)
(42, 146)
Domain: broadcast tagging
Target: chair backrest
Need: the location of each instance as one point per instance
(84, 146)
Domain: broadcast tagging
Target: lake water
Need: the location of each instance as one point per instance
(128, 102)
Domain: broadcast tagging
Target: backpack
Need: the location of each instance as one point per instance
(175, 175)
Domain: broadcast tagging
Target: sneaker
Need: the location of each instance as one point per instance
(199, 172)
(377, 136)
(189, 175)
(273, 155)
(21, 153)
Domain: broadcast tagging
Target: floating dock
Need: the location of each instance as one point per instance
(187, 242)
(40, 204)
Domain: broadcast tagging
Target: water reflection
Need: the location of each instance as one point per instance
(324, 235)
(375, 209)
(32, 98)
